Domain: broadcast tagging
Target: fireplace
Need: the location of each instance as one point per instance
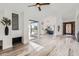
(16, 40)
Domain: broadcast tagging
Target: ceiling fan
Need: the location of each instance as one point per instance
(38, 5)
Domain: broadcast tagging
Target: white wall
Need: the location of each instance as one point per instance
(54, 22)
(59, 22)
(77, 23)
(7, 40)
(6, 10)
(1, 26)
(49, 21)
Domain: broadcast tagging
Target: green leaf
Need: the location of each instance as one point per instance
(3, 23)
(6, 21)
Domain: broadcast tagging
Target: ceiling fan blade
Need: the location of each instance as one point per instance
(31, 5)
(39, 8)
(44, 3)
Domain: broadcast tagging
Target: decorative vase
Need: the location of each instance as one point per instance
(6, 30)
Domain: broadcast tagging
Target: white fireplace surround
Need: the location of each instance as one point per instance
(7, 40)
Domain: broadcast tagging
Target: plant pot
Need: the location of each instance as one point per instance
(6, 30)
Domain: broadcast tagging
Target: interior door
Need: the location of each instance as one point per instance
(69, 28)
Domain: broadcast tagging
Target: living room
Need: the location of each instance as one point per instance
(51, 15)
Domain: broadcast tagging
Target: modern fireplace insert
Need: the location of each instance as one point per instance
(16, 40)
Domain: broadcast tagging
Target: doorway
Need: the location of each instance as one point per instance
(33, 29)
(69, 28)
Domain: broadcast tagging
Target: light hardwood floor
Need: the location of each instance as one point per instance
(51, 46)
(18, 50)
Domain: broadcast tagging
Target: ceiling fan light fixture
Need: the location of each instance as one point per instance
(38, 5)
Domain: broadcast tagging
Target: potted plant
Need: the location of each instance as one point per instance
(6, 22)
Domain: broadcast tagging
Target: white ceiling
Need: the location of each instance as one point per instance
(67, 10)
